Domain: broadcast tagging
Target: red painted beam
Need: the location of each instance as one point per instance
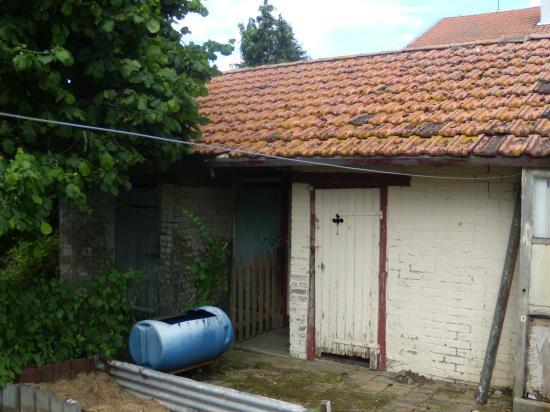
(382, 279)
(310, 345)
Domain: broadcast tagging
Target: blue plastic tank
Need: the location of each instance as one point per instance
(179, 342)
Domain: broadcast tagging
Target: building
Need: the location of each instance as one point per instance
(385, 185)
(497, 26)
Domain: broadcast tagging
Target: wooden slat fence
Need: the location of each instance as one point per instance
(255, 300)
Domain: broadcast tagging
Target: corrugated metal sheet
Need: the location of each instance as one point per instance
(182, 394)
(27, 398)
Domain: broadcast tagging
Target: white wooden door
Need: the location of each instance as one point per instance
(346, 271)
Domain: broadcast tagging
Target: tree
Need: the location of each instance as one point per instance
(114, 63)
(267, 40)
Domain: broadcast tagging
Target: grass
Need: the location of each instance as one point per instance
(297, 385)
(348, 389)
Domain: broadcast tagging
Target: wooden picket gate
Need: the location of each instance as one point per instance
(255, 299)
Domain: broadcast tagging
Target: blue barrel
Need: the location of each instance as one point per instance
(197, 336)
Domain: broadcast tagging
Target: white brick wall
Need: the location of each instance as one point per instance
(299, 269)
(446, 248)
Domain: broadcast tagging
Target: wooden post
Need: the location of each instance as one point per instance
(310, 343)
(277, 312)
(247, 304)
(501, 305)
(380, 363)
(274, 291)
(268, 292)
(254, 295)
(527, 200)
(240, 286)
(233, 296)
(261, 293)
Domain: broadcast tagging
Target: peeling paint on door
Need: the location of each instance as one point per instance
(346, 271)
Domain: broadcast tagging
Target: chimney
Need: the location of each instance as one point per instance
(544, 12)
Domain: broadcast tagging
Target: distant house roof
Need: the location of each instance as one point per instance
(475, 99)
(478, 27)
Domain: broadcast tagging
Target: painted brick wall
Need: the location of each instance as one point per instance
(215, 206)
(299, 269)
(446, 248)
(87, 242)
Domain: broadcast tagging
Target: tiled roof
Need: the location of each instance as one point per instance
(483, 100)
(478, 27)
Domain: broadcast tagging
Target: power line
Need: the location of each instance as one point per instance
(243, 152)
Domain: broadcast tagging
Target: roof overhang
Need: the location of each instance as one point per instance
(522, 161)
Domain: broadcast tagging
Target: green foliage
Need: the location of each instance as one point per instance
(53, 320)
(115, 63)
(268, 40)
(27, 259)
(209, 268)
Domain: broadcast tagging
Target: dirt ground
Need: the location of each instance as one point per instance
(348, 387)
(98, 392)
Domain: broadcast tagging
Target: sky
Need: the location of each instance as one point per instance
(337, 28)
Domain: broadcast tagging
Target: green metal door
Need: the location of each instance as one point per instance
(258, 221)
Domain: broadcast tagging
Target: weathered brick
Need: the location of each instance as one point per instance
(461, 230)
(87, 242)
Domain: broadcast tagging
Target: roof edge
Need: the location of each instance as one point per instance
(357, 161)
(490, 12)
(424, 33)
(532, 36)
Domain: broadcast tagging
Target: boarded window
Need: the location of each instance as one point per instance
(541, 221)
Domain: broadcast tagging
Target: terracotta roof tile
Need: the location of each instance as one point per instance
(501, 25)
(476, 99)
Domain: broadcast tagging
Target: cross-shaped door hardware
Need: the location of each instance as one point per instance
(337, 219)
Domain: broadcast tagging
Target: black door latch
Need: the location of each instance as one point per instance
(337, 219)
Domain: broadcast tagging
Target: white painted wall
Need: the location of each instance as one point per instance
(299, 269)
(446, 247)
